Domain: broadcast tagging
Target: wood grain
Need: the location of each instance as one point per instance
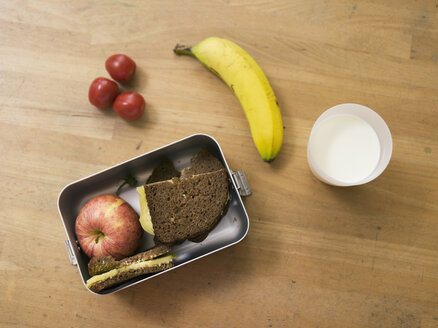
(315, 256)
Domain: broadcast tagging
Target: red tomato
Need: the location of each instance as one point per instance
(129, 105)
(102, 92)
(120, 67)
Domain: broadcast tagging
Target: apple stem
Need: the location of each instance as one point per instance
(99, 236)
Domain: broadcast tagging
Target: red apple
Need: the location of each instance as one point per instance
(107, 225)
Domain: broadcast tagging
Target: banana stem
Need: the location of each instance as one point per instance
(183, 50)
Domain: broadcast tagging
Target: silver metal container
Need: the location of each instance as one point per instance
(232, 228)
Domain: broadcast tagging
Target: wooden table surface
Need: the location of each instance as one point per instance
(315, 255)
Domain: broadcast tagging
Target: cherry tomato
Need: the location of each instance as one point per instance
(120, 67)
(129, 105)
(102, 92)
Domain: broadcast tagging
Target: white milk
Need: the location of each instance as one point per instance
(346, 148)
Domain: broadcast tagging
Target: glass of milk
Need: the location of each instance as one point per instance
(349, 145)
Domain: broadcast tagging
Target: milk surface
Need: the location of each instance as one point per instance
(345, 148)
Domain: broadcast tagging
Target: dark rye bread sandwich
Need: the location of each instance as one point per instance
(185, 208)
(107, 272)
(188, 207)
(164, 171)
(202, 162)
(101, 264)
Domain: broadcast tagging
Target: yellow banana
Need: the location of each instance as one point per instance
(245, 77)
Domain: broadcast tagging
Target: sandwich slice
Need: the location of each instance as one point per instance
(102, 264)
(164, 171)
(107, 272)
(202, 162)
(183, 208)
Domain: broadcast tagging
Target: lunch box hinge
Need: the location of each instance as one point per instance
(71, 255)
(242, 183)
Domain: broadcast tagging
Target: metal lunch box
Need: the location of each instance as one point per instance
(231, 229)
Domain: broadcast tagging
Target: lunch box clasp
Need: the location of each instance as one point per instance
(242, 183)
(70, 253)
